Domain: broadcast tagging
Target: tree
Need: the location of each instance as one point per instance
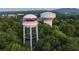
(14, 47)
(68, 29)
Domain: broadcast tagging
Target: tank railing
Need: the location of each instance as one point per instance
(30, 19)
(47, 18)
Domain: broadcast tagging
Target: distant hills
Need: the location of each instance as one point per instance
(39, 10)
(67, 10)
(23, 9)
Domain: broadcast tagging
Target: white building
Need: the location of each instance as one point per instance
(12, 15)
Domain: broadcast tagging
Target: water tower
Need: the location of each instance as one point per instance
(48, 17)
(30, 21)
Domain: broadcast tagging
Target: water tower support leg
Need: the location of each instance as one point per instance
(31, 38)
(37, 33)
(23, 34)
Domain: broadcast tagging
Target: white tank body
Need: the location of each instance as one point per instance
(30, 20)
(48, 17)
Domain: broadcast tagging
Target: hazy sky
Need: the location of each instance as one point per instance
(24, 9)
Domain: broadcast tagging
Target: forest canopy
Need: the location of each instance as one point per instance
(62, 36)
